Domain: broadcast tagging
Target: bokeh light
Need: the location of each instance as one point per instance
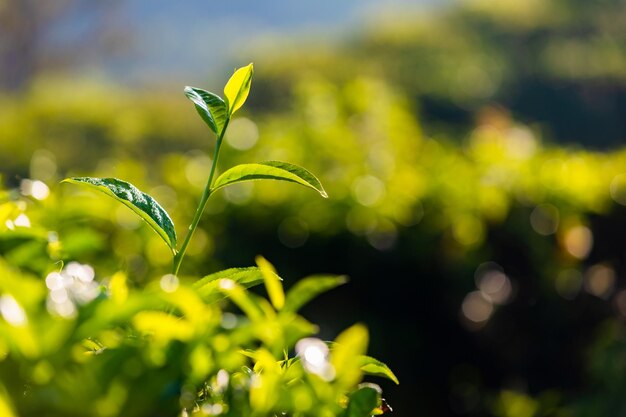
(12, 312)
(314, 354)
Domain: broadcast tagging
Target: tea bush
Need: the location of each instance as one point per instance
(78, 343)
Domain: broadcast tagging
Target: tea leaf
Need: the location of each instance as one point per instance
(310, 287)
(237, 88)
(248, 303)
(363, 401)
(210, 107)
(141, 203)
(110, 313)
(208, 287)
(373, 366)
(162, 326)
(348, 347)
(272, 282)
(270, 170)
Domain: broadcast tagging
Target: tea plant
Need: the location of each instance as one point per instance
(73, 346)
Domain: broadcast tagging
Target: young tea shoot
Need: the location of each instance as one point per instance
(216, 112)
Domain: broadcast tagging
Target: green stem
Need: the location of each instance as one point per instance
(178, 258)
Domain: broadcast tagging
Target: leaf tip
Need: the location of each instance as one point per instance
(72, 180)
(390, 375)
(247, 69)
(189, 92)
(261, 261)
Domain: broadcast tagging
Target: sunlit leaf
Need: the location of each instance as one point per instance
(237, 88)
(263, 394)
(109, 313)
(272, 282)
(118, 288)
(6, 408)
(141, 203)
(187, 300)
(245, 301)
(308, 288)
(264, 361)
(27, 290)
(270, 170)
(372, 366)
(210, 107)
(348, 347)
(363, 401)
(208, 287)
(162, 326)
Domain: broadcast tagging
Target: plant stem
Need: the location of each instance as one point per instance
(178, 258)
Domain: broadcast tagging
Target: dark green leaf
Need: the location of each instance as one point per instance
(141, 203)
(373, 366)
(208, 287)
(270, 170)
(309, 288)
(210, 107)
(363, 401)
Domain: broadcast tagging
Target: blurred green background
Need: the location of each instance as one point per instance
(472, 151)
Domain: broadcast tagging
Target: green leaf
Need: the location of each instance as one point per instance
(6, 407)
(208, 287)
(141, 203)
(210, 107)
(372, 366)
(270, 170)
(248, 303)
(348, 347)
(237, 88)
(310, 287)
(272, 282)
(110, 313)
(162, 326)
(118, 287)
(363, 401)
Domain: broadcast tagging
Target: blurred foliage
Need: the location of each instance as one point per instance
(474, 198)
(75, 346)
(560, 64)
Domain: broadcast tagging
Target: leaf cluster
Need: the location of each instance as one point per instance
(73, 343)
